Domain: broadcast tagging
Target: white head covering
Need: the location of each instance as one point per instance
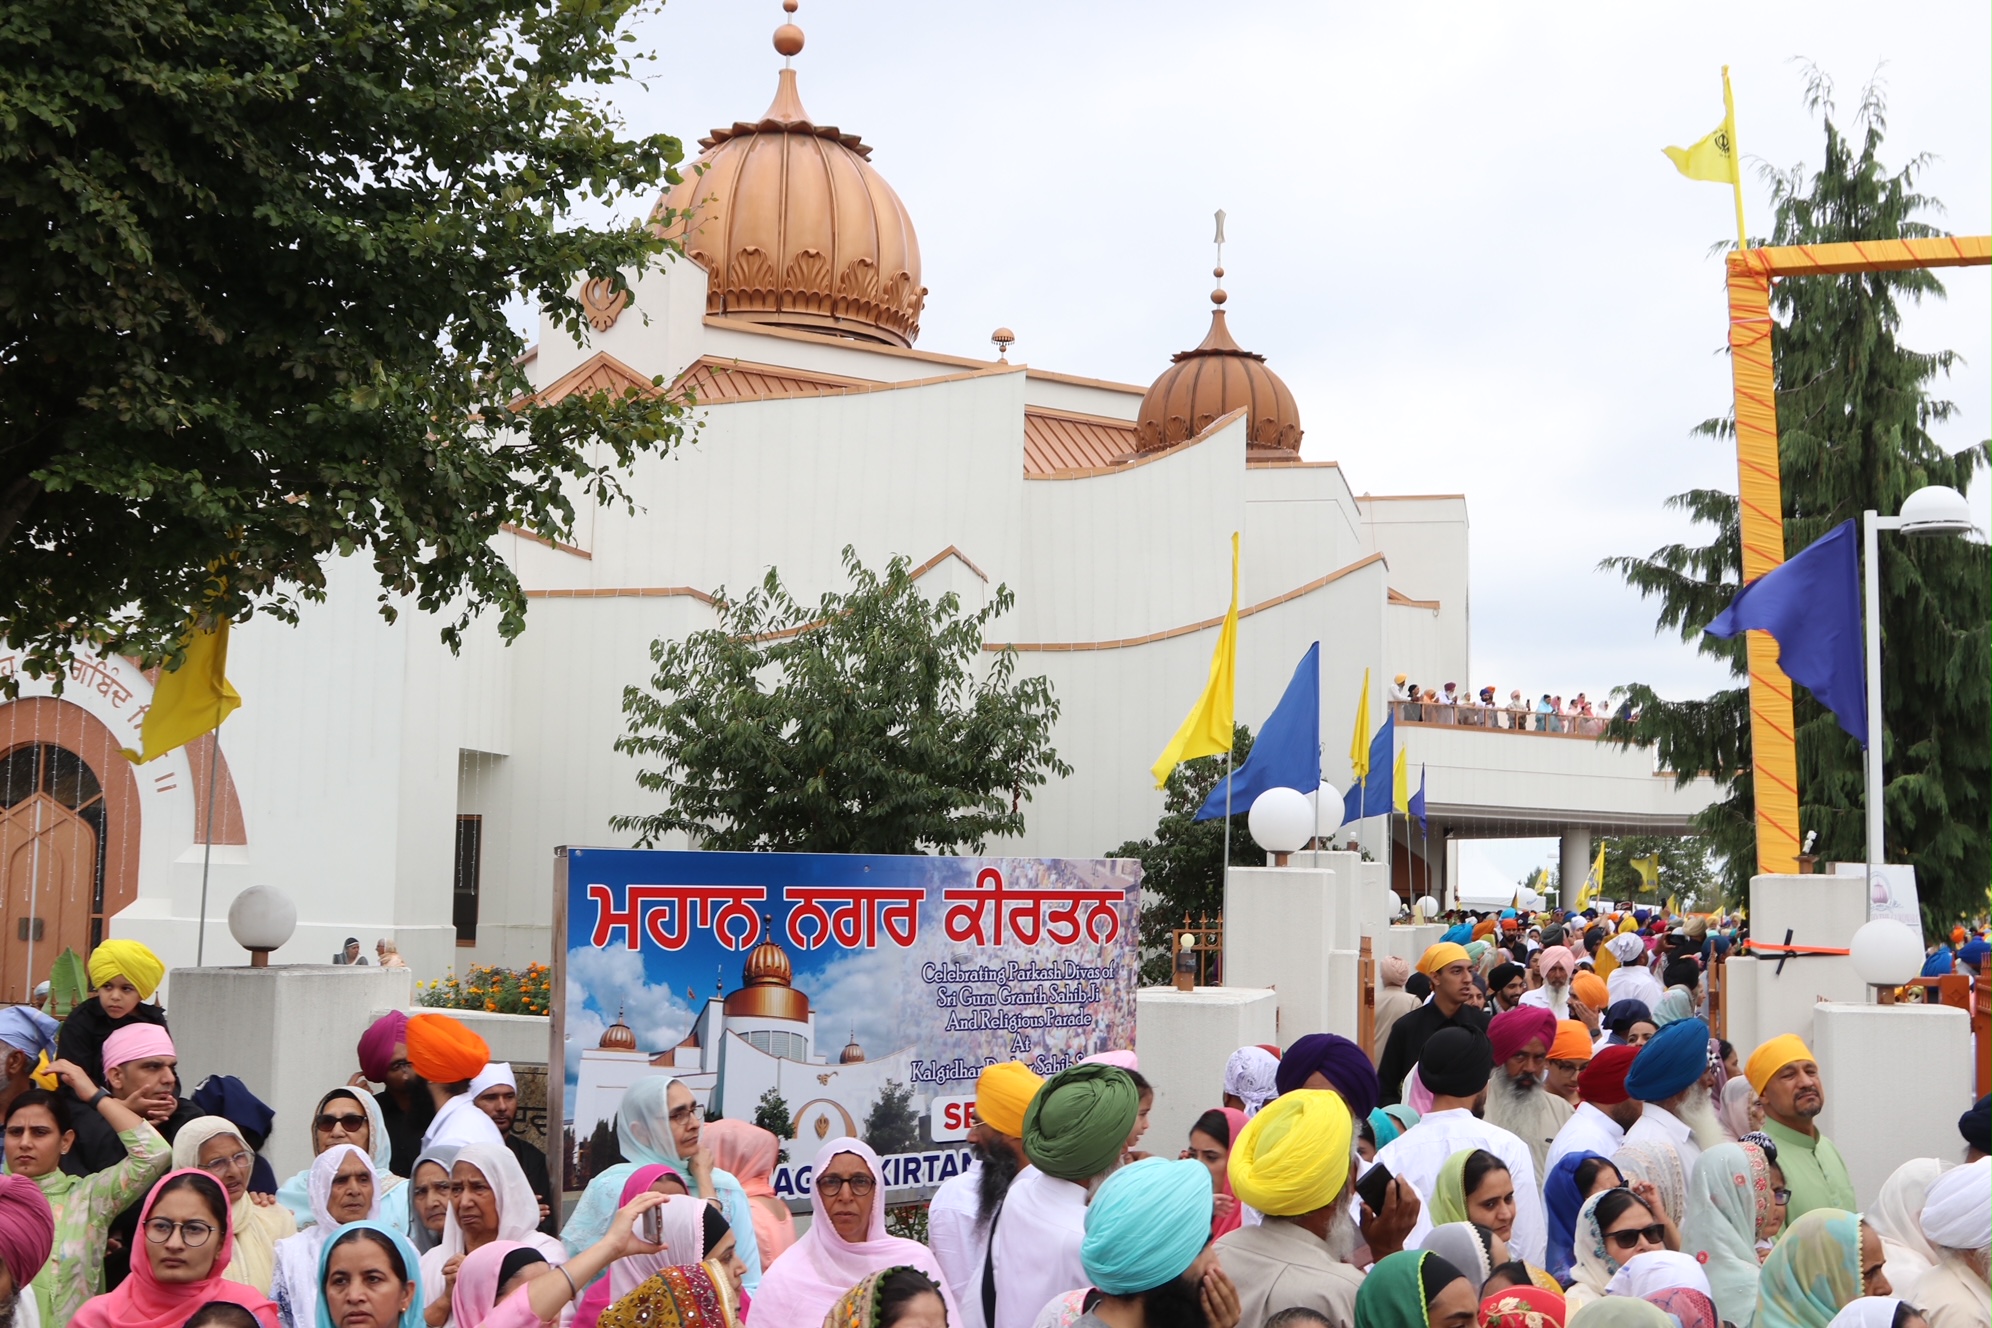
(1627, 948)
(1896, 1216)
(1867, 1312)
(1958, 1213)
(294, 1286)
(1656, 1271)
(1249, 1075)
(494, 1074)
(188, 1139)
(518, 1206)
(682, 1224)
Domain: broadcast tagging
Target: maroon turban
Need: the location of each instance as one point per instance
(1602, 1082)
(377, 1044)
(27, 1229)
(1514, 1029)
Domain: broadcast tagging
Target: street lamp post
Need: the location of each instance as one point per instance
(1935, 509)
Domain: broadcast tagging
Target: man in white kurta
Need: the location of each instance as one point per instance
(958, 1216)
(1599, 1123)
(1462, 1061)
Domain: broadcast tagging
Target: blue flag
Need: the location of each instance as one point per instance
(1812, 606)
(1418, 800)
(1373, 799)
(1287, 752)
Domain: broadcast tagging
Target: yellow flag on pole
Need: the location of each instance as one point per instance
(1400, 782)
(191, 700)
(1206, 730)
(1715, 157)
(1359, 745)
(1648, 868)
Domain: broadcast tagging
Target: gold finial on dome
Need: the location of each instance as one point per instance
(788, 37)
(1217, 296)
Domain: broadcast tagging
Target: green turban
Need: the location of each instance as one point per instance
(1077, 1125)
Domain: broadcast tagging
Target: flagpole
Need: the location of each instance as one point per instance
(207, 849)
(1224, 866)
(1735, 160)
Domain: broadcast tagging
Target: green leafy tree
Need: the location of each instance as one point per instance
(891, 1126)
(771, 1113)
(1687, 868)
(600, 1152)
(871, 722)
(1854, 413)
(1181, 863)
(254, 263)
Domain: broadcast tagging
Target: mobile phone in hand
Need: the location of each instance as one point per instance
(650, 1224)
(1374, 1187)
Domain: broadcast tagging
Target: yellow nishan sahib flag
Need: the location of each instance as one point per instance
(191, 700)
(1359, 745)
(1400, 783)
(1713, 158)
(1206, 731)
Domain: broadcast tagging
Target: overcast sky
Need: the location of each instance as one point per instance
(1451, 230)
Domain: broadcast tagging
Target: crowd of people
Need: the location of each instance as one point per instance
(1544, 1135)
(1452, 705)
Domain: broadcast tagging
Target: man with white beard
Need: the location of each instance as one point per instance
(1517, 1099)
(1957, 1222)
(1666, 1077)
(27, 1234)
(1295, 1163)
(1557, 966)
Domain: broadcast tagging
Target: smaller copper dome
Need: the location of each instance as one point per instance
(852, 1054)
(767, 963)
(1203, 385)
(617, 1036)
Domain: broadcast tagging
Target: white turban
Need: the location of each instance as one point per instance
(1958, 1213)
(496, 1074)
(1249, 1076)
(1627, 948)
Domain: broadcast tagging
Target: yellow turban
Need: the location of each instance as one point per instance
(1293, 1157)
(1436, 958)
(131, 960)
(1002, 1092)
(1773, 1056)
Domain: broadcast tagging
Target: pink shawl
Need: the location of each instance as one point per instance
(1230, 1221)
(141, 1301)
(750, 1153)
(808, 1281)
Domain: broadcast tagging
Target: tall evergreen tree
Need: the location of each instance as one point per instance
(1854, 413)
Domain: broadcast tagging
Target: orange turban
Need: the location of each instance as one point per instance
(1590, 989)
(1573, 1042)
(443, 1051)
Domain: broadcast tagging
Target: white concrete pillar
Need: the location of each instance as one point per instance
(290, 1032)
(1184, 1038)
(1281, 926)
(1863, 1052)
(1822, 911)
(1574, 862)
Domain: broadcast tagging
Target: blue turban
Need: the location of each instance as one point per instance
(28, 1031)
(1146, 1225)
(1342, 1063)
(1673, 1059)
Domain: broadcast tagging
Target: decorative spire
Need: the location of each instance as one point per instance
(1217, 296)
(788, 37)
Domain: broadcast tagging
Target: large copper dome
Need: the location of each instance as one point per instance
(797, 229)
(1203, 385)
(764, 991)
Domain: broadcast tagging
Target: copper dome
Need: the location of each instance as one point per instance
(1203, 385)
(853, 1054)
(765, 984)
(617, 1036)
(796, 229)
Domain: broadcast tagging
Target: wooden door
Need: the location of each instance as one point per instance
(50, 859)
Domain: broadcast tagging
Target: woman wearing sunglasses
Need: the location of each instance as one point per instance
(215, 1145)
(349, 1116)
(1613, 1228)
(186, 1242)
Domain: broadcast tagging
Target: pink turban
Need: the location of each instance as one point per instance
(1396, 971)
(1514, 1029)
(137, 1042)
(1120, 1060)
(27, 1229)
(1558, 954)
(377, 1044)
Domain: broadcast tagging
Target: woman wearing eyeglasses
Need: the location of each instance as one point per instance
(846, 1242)
(349, 1116)
(1612, 1229)
(215, 1145)
(341, 1183)
(187, 1244)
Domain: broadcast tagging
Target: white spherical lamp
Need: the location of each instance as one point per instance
(1428, 907)
(261, 919)
(1935, 509)
(1280, 821)
(1886, 954)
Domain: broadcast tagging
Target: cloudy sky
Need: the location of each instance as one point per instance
(1451, 231)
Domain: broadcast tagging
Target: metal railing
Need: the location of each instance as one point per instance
(1477, 716)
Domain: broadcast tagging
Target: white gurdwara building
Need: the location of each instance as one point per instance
(396, 790)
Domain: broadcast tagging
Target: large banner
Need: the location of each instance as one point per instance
(847, 995)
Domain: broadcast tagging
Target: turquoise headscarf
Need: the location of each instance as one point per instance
(1390, 1122)
(410, 1261)
(1813, 1271)
(1147, 1225)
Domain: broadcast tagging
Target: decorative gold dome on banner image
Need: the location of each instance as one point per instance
(765, 990)
(617, 1036)
(795, 227)
(853, 1054)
